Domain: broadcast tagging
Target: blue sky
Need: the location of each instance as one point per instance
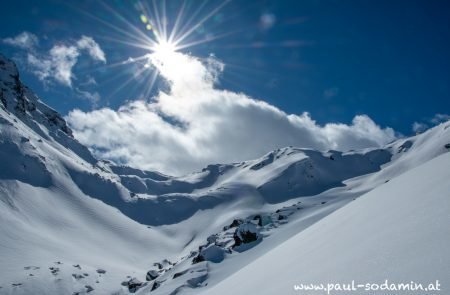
(333, 59)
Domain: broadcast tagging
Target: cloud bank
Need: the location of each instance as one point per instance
(194, 124)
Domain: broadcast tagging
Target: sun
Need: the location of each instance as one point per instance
(163, 40)
(164, 48)
(163, 52)
(165, 57)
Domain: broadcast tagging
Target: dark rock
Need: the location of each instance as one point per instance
(3, 100)
(151, 275)
(235, 223)
(89, 288)
(405, 146)
(258, 217)
(155, 286)
(77, 276)
(77, 266)
(245, 233)
(179, 274)
(198, 258)
(54, 270)
(133, 285)
(211, 239)
(101, 271)
(447, 146)
(192, 254)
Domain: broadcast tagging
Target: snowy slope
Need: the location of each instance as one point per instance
(303, 212)
(399, 231)
(45, 220)
(64, 215)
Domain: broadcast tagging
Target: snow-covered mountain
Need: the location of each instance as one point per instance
(72, 224)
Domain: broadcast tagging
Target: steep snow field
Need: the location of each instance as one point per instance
(398, 231)
(71, 224)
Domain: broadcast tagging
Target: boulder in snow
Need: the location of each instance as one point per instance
(151, 275)
(133, 285)
(235, 223)
(213, 253)
(246, 233)
(89, 288)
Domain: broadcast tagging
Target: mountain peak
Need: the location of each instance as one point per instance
(7, 66)
(18, 99)
(20, 103)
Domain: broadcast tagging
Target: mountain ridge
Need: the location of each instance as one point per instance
(77, 210)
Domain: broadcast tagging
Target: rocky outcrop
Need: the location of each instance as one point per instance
(151, 275)
(246, 233)
(133, 285)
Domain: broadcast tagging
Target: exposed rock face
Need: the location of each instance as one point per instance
(20, 100)
(245, 233)
(151, 275)
(155, 286)
(198, 258)
(89, 288)
(133, 285)
(235, 223)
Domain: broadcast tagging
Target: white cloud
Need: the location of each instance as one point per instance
(57, 64)
(439, 118)
(419, 127)
(93, 97)
(92, 47)
(195, 124)
(63, 59)
(24, 40)
(40, 67)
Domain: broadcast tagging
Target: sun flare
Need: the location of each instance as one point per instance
(166, 59)
(164, 48)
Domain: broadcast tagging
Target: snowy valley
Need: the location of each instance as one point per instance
(73, 224)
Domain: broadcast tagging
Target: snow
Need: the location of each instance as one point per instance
(398, 231)
(65, 215)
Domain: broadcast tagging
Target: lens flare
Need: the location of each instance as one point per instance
(164, 48)
(162, 39)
